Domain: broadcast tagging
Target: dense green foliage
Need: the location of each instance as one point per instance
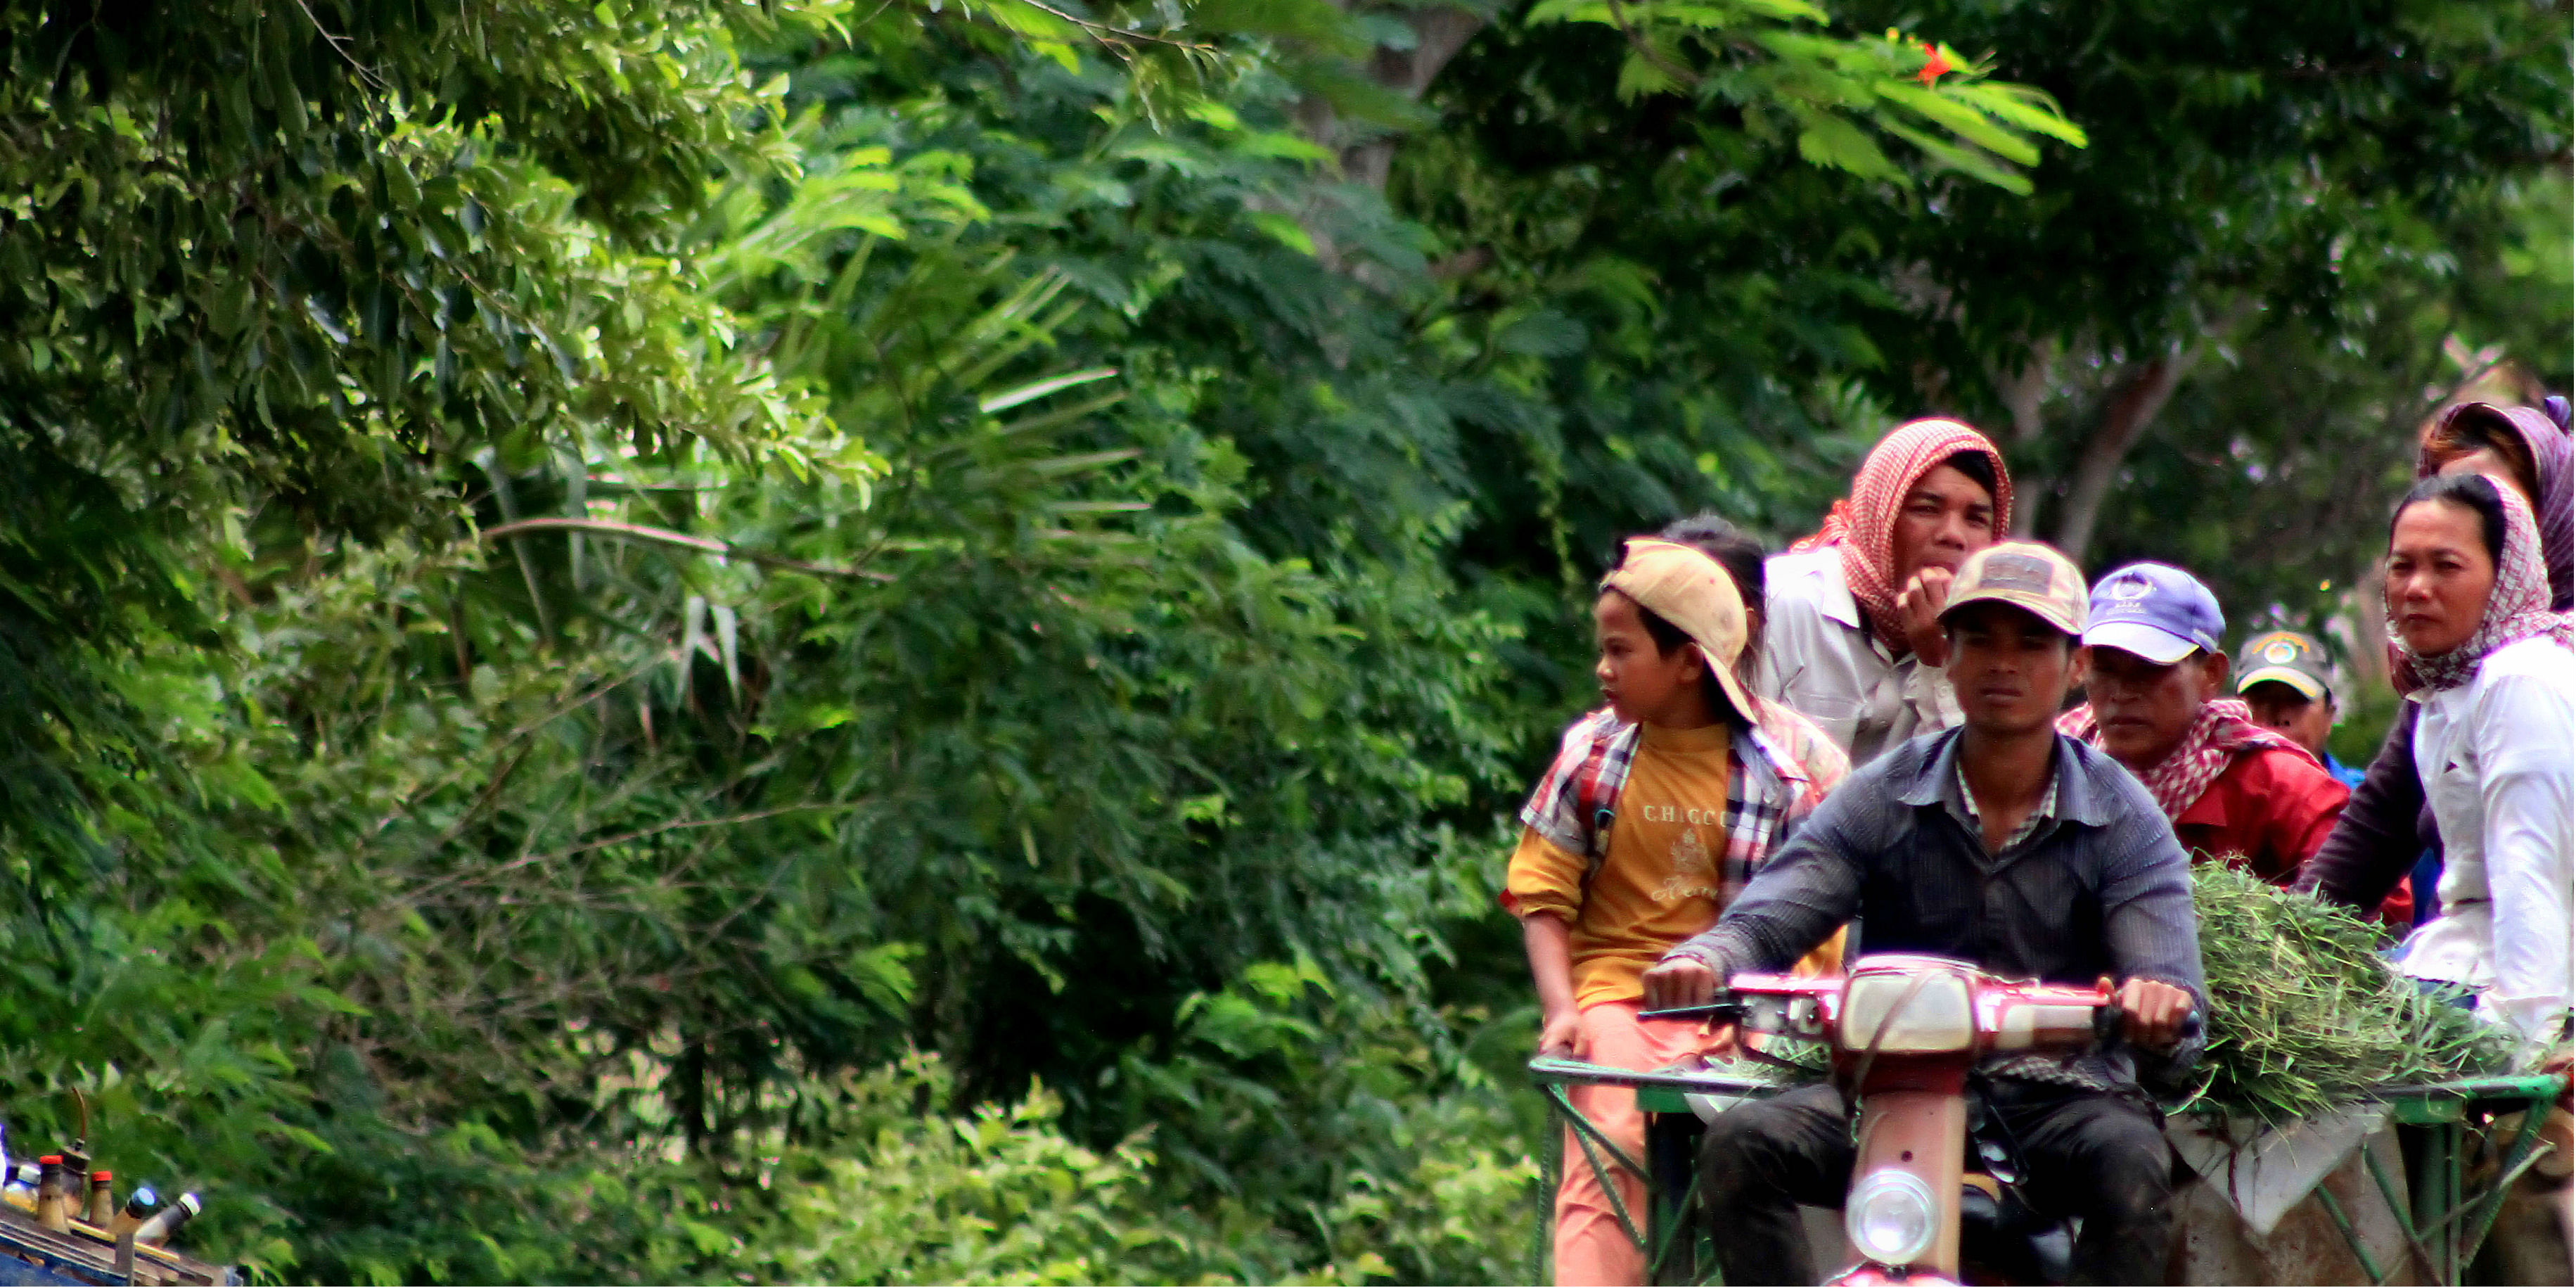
(583, 587)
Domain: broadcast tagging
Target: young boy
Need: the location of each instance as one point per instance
(1657, 810)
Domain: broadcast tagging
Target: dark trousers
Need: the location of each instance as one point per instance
(2091, 1155)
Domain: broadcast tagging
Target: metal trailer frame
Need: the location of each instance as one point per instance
(2446, 1128)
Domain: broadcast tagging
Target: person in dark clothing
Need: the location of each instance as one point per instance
(2007, 844)
(2386, 831)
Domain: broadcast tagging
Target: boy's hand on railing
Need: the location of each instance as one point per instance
(1561, 1035)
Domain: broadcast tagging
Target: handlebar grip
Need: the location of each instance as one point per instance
(2107, 1023)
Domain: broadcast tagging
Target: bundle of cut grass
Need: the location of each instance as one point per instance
(2303, 1014)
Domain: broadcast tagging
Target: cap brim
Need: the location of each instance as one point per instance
(2297, 679)
(1734, 691)
(2039, 606)
(2162, 647)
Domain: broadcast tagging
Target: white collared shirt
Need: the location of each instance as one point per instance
(2495, 758)
(1820, 659)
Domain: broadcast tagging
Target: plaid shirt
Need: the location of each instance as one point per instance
(2046, 811)
(2099, 887)
(1766, 788)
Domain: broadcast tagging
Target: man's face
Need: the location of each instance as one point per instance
(2009, 668)
(2144, 707)
(1945, 517)
(2292, 714)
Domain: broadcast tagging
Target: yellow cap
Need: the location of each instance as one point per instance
(1694, 592)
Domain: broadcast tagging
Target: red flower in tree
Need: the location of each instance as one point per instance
(1934, 64)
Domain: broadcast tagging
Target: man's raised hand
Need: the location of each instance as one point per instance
(1920, 605)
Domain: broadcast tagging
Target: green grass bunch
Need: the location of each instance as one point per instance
(2304, 1015)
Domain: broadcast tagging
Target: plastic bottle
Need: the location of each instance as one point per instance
(101, 1208)
(20, 1192)
(138, 1209)
(53, 1206)
(167, 1221)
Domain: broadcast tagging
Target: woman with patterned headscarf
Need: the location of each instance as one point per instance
(1853, 639)
(2387, 830)
(2493, 670)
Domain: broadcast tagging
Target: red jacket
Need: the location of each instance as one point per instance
(2265, 814)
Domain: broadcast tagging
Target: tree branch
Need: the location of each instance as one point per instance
(2123, 423)
(666, 537)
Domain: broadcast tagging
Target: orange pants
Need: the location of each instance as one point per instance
(1591, 1248)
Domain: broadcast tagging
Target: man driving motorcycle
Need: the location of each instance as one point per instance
(2009, 845)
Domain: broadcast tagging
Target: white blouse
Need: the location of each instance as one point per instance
(2498, 760)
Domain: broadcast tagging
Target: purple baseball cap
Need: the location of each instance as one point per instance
(2158, 612)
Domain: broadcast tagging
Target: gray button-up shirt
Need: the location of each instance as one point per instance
(2100, 888)
(1821, 660)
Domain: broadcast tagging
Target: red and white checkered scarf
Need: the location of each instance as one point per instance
(2517, 608)
(1864, 523)
(2224, 728)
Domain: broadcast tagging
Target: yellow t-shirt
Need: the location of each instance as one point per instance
(1659, 884)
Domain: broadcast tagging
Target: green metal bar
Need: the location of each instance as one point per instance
(1543, 1248)
(2351, 1237)
(2464, 1223)
(2452, 1164)
(1585, 1128)
(2511, 1087)
(2433, 1163)
(1676, 1225)
(1585, 1133)
(1547, 1070)
(2510, 1165)
(2397, 1208)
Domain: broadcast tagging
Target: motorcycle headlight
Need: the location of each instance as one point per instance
(1891, 1217)
(1933, 1017)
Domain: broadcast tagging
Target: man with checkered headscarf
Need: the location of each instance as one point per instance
(1853, 640)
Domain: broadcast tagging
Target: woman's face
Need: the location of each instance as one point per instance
(2439, 574)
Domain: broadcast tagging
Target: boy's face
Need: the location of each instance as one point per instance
(2009, 668)
(1640, 682)
(2292, 714)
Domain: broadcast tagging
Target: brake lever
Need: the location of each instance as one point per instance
(1729, 1010)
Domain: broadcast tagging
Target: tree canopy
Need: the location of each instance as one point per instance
(897, 641)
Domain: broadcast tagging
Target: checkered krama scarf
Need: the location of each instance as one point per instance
(2517, 608)
(2224, 728)
(1864, 523)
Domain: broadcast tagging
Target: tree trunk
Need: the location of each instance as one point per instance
(2022, 394)
(1438, 35)
(2124, 421)
(1439, 32)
